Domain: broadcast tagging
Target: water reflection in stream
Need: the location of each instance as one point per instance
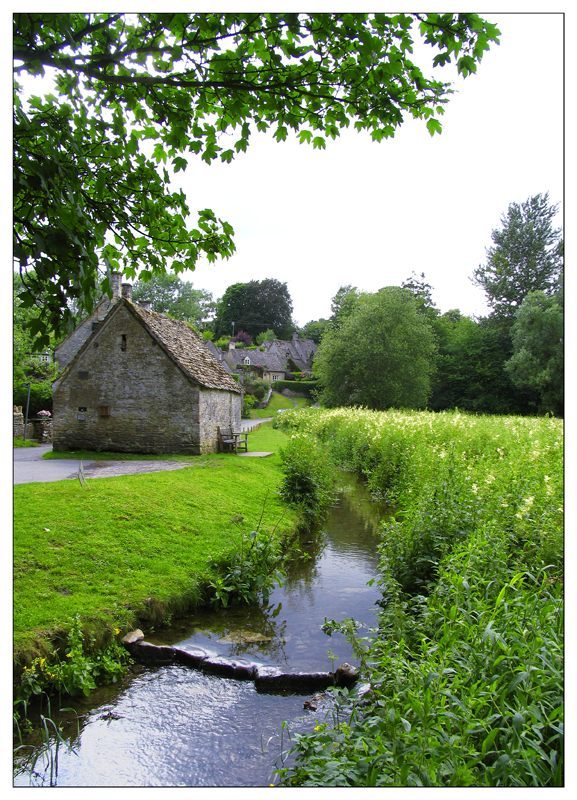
(172, 726)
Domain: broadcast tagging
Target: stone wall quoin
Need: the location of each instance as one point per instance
(150, 406)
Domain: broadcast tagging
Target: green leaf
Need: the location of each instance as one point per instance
(434, 126)
(488, 740)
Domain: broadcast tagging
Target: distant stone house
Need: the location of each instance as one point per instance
(140, 382)
(268, 365)
(298, 353)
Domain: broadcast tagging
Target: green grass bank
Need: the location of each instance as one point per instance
(139, 548)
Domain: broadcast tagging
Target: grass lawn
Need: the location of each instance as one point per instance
(22, 443)
(129, 545)
(303, 402)
(277, 401)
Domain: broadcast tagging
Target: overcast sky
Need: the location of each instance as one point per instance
(370, 214)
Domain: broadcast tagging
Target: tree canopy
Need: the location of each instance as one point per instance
(255, 307)
(27, 366)
(537, 361)
(526, 256)
(137, 93)
(381, 356)
(169, 294)
(343, 304)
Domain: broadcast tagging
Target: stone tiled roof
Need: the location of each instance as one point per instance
(186, 348)
(301, 351)
(218, 354)
(268, 361)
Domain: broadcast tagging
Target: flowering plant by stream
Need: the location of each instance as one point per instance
(466, 671)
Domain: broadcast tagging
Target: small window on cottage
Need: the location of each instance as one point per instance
(123, 342)
(81, 408)
(95, 326)
(82, 376)
(103, 411)
(247, 361)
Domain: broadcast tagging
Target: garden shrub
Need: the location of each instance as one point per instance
(257, 387)
(302, 387)
(309, 478)
(247, 406)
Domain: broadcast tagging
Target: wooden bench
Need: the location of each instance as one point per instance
(229, 439)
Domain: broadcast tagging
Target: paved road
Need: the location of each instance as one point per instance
(30, 467)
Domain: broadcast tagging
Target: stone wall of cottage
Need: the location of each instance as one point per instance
(72, 344)
(217, 408)
(64, 354)
(126, 395)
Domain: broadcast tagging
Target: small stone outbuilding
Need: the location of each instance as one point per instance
(141, 382)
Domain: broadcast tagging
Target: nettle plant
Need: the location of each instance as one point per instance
(252, 573)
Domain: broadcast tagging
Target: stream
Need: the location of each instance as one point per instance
(175, 726)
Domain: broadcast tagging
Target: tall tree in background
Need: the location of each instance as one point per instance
(470, 368)
(314, 329)
(89, 191)
(382, 355)
(537, 361)
(526, 256)
(343, 305)
(421, 291)
(255, 307)
(170, 295)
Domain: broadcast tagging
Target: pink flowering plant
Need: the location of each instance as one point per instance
(44, 414)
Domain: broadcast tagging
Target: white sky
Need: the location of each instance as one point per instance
(370, 213)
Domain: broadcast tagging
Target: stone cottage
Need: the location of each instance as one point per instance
(268, 365)
(140, 382)
(278, 358)
(295, 355)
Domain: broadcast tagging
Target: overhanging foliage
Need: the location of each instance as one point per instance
(138, 93)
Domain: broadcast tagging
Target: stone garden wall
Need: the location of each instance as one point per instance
(39, 429)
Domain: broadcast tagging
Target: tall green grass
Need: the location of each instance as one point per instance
(466, 671)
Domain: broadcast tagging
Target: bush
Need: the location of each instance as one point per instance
(266, 336)
(252, 573)
(303, 387)
(309, 478)
(257, 387)
(40, 396)
(243, 339)
(247, 406)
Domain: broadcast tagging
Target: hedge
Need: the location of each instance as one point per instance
(302, 387)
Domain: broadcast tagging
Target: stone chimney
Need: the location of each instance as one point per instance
(146, 305)
(231, 345)
(295, 336)
(127, 291)
(115, 278)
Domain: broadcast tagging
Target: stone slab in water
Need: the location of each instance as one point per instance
(240, 637)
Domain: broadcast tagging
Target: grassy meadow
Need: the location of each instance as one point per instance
(138, 546)
(466, 672)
